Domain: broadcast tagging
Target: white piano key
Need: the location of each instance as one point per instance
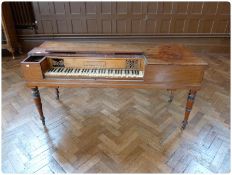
(105, 73)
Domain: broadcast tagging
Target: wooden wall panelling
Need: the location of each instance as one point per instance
(180, 7)
(132, 18)
(164, 7)
(195, 8)
(223, 8)
(123, 24)
(205, 25)
(209, 8)
(107, 10)
(78, 22)
(177, 25)
(62, 13)
(138, 16)
(227, 27)
(220, 25)
(163, 25)
(191, 25)
(41, 9)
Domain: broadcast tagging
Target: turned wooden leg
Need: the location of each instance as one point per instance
(13, 56)
(189, 105)
(171, 96)
(57, 93)
(12, 51)
(37, 100)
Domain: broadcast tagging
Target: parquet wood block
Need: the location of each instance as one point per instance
(116, 130)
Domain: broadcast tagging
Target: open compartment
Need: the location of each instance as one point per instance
(33, 67)
(33, 59)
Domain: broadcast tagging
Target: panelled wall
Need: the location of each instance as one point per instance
(133, 18)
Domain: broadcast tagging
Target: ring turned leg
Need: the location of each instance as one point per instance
(57, 93)
(37, 100)
(171, 96)
(189, 105)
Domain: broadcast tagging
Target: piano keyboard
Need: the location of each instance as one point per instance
(106, 73)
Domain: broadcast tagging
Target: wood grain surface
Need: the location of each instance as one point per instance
(155, 53)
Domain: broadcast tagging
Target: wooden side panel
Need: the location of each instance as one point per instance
(173, 74)
(32, 71)
(45, 65)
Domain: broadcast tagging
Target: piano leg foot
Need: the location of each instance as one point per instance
(171, 96)
(189, 105)
(184, 124)
(57, 93)
(37, 101)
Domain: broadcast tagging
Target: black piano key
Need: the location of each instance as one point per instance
(51, 70)
(55, 70)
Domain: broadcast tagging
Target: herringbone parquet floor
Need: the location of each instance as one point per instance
(116, 130)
